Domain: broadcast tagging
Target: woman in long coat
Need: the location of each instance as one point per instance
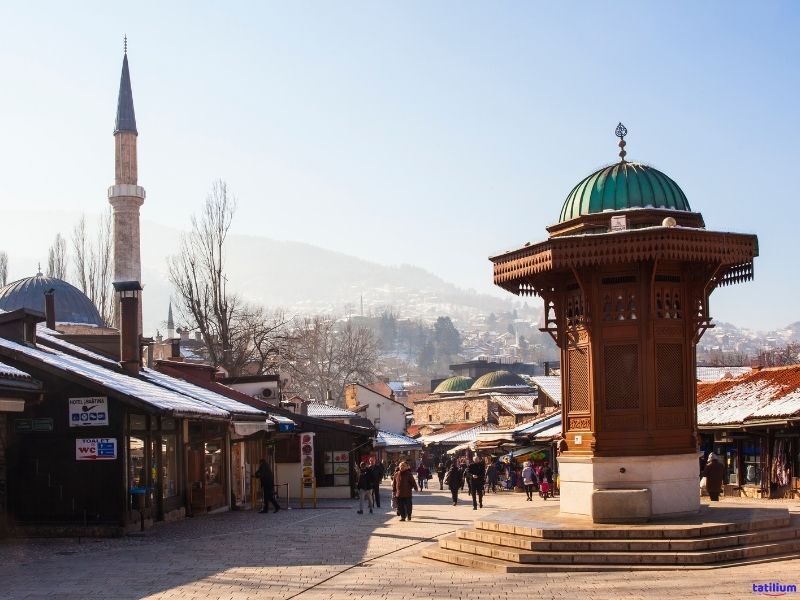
(402, 484)
(454, 480)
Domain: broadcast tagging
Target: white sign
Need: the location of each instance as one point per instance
(88, 412)
(96, 449)
(619, 223)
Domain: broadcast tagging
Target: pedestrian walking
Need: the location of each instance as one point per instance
(546, 481)
(714, 472)
(477, 476)
(402, 485)
(364, 487)
(493, 476)
(264, 474)
(454, 480)
(422, 475)
(441, 471)
(528, 480)
(376, 473)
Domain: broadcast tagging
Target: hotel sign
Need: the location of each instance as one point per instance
(88, 412)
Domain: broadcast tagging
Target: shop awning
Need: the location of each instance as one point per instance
(245, 428)
(462, 447)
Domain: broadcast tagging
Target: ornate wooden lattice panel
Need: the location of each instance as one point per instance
(669, 375)
(668, 297)
(580, 424)
(619, 301)
(578, 380)
(575, 309)
(621, 376)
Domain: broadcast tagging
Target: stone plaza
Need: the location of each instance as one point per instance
(332, 552)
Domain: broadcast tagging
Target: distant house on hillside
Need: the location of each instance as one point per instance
(386, 413)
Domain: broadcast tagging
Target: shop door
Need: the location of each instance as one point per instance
(196, 463)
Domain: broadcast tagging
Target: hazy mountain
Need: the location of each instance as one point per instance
(305, 279)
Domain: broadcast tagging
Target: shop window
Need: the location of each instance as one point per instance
(213, 462)
(138, 422)
(751, 462)
(169, 465)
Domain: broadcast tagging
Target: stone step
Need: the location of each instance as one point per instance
(515, 555)
(771, 519)
(524, 542)
(484, 563)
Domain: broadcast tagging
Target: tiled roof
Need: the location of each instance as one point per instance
(550, 385)
(516, 404)
(148, 393)
(328, 411)
(719, 373)
(762, 395)
(9, 372)
(457, 436)
(389, 440)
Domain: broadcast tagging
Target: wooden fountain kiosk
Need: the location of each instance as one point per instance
(626, 276)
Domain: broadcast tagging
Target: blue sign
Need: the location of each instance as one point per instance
(285, 427)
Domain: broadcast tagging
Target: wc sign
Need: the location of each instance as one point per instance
(96, 449)
(88, 412)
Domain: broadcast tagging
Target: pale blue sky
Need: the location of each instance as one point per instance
(429, 133)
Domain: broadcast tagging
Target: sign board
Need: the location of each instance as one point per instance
(619, 223)
(307, 458)
(285, 427)
(96, 449)
(27, 425)
(88, 412)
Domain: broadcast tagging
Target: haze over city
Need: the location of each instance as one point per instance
(430, 135)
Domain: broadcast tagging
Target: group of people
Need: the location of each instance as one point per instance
(368, 484)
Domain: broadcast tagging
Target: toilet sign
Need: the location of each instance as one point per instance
(96, 449)
(88, 412)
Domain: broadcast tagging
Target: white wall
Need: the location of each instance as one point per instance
(392, 414)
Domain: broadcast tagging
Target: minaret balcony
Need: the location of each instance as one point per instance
(126, 190)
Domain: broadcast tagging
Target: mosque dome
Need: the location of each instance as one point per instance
(458, 383)
(497, 379)
(72, 305)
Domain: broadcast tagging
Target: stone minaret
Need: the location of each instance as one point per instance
(125, 195)
(170, 323)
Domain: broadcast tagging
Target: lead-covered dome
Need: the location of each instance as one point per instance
(72, 305)
(622, 186)
(498, 379)
(458, 383)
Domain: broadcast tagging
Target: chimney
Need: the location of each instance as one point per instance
(50, 308)
(129, 346)
(175, 348)
(304, 407)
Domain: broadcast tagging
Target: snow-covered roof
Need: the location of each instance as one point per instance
(395, 441)
(51, 338)
(549, 434)
(550, 385)
(457, 437)
(529, 429)
(199, 393)
(147, 392)
(321, 410)
(759, 396)
(9, 372)
(516, 404)
(718, 373)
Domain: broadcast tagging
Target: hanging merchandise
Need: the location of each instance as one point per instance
(779, 473)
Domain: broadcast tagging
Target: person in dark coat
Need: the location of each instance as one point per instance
(441, 471)
(402, 484)
(714, 472)
(476, 473)
(264, 473)
(376, 473)
(454, 480)
(493, 476)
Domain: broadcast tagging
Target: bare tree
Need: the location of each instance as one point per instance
(237, 336)
(92, 263)
(323, 356)
(3, 267)
(57, 258)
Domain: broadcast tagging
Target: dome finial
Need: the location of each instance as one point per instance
(125, 43)
(39, 270)
(621, 132)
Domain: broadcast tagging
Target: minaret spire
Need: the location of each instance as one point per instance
(126, 195)
(170, 323)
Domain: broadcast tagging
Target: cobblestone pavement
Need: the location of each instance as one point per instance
(329, 553)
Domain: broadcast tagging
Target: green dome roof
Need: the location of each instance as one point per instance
(458, 383)
(621, 186)
(497, 379)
